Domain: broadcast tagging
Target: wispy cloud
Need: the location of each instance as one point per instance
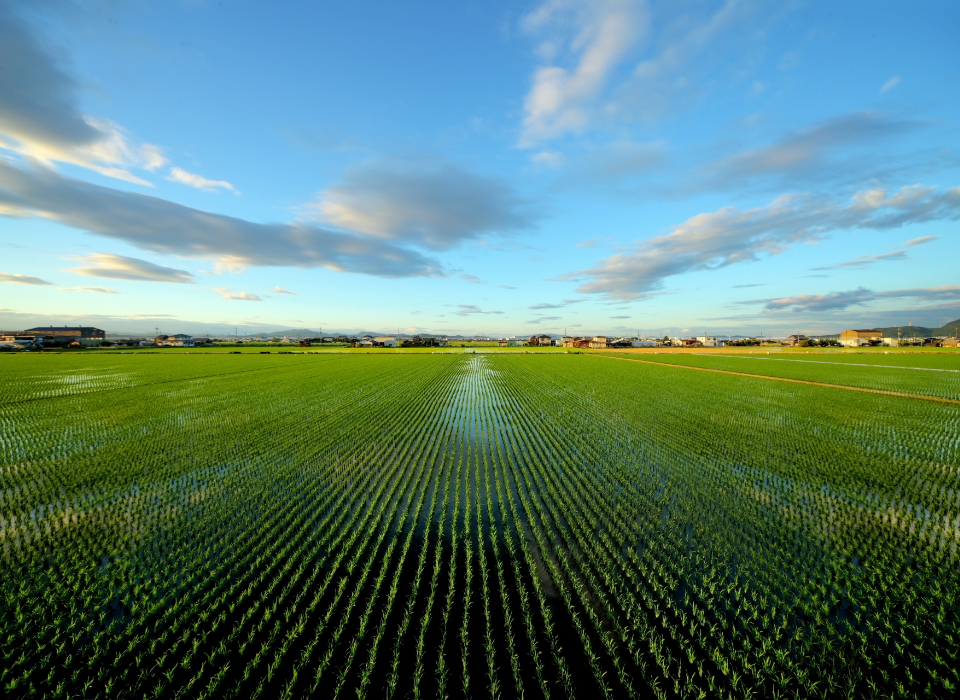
(599, 34)
(565, 302)
(198, 181)
(890, 84)
(506, 286)
(595, 242)
(423, 202)
(619, 317)
(120, 267)
(548, 159)
(470, 309)
(236, 296)
(835, 301)
(541, 319)
(729, 236)
(164, 227)
(16, 278)
(472, 279)
(805, 153)
(816, 302)
(601, 64)
(745, 286)
(95, 290)
(616, 161)
(864, 260)
(919, 241)
(278, 290)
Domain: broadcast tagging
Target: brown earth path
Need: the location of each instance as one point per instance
(923, 397)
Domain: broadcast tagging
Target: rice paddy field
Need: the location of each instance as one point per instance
(476, 526)
(925, 374)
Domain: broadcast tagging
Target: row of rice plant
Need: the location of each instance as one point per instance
(471, 525)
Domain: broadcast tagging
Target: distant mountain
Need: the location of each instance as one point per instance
(327, 332)
(309, 333)
(291, 333)
(951, 329)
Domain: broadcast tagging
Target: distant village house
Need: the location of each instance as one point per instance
(858, 338)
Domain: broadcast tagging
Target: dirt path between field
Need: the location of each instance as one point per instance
(924, 397)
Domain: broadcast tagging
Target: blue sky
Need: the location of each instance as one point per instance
(506, 167)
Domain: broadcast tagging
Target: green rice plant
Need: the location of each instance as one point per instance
(247, 526)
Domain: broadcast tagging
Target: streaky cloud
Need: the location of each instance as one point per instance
(804, 153)
(423, 202)
(922, 240)
(95, 290)
(864, 260)
(835, 301)
(16, 278)
(161, 226)
(729, 236)
(470, 309)
(236, 296)
(198, 181)
(121, 267)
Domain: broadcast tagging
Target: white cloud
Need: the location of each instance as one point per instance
(469, 309)
(201, 183)
(598, 168)
(835, 301)
(549, 159)
(809, 153)
(278, 290)
(16, 278)
(423, 202)
(121, 267)
(164, 227)
(864, 260)
(39, 117)
(599, 34)
(601, 63)
(890, 84)
(95, 290)
(565, 302)
(729, 236)
(595, 242)
(237, 296)
(919, 241)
